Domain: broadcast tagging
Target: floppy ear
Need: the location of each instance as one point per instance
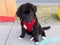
(34, 8)
(19, 12)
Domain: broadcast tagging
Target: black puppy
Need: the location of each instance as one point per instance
(29, 23)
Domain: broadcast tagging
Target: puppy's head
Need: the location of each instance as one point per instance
(27, 12)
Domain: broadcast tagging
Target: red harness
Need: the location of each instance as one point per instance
(29, 25)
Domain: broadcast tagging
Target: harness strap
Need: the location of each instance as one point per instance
(29, 26)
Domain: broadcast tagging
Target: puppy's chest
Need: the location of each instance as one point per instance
(28, 27)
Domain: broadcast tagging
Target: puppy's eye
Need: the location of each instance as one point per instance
(26, 11)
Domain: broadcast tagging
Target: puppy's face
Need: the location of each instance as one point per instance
(27, 12)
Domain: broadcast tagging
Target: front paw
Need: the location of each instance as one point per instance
(37, 43)
(43, 37)
(31, 38)
(20, 38)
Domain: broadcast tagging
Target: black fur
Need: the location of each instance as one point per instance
(27, 12)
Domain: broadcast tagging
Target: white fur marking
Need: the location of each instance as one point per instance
(37, 43)
(31, 38)
(20, 38)
(25, 27)
(44, 37)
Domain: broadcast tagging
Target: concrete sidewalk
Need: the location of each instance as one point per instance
(10, 32)
(39, 2)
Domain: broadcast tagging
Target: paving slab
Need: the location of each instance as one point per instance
(14, 37)
(54, 31)
(4, 32)
(16, 32)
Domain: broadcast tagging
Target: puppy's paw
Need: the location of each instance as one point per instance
(37, 43)
(43, 37)
(31, 38)
(20, 38)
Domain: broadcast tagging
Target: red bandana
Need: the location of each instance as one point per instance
(29, 25)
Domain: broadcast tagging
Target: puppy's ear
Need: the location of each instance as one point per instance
(34, 8)
(19, 12)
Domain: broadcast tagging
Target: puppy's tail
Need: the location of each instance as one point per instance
(46, 28)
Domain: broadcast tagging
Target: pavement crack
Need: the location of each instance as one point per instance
(8, 35)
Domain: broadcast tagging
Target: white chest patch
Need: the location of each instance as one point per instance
(25, 26)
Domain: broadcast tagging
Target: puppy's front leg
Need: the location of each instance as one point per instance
(36, 37)
(23, 33)
(36, 33)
